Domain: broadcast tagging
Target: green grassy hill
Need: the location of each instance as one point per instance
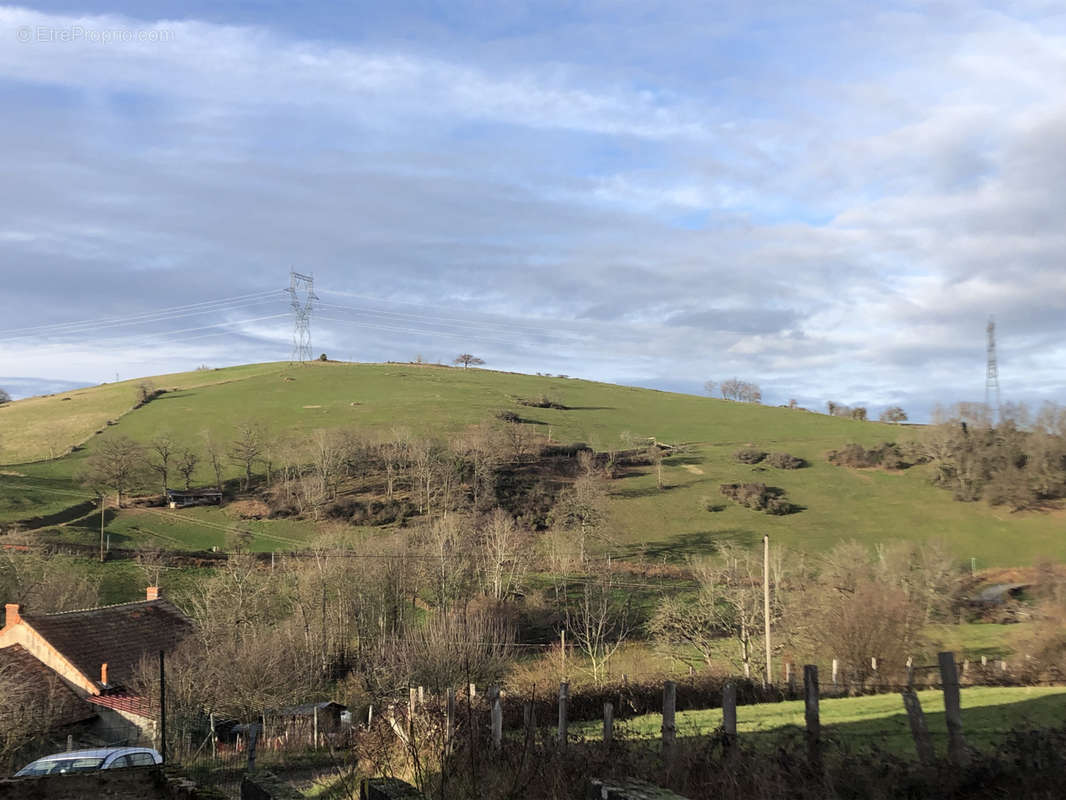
(838, 503)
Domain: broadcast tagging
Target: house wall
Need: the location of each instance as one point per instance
(123, 728)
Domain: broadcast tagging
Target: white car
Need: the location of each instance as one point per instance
(92, 760)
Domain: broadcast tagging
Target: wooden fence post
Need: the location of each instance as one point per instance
(411, 696)
(314, 727)
(949, 677)
(497, 722)
(790, 679)
(835, 667)
(910, 671)
(529, 712)
(608, 722)
(450, 714)
(810, 713)
(729, 713)
(472, 691)
(669, 715)
(421, 695)
(919, 731)
(214, 738)
(564, 699)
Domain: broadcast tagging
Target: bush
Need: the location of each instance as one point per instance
(785, 461)
(759, 497)
(886, 455)
(749, 455)
(543, 401)
(508, 416)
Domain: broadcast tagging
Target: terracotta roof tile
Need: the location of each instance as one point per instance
(119, 636)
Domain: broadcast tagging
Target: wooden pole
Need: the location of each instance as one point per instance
(530, 714)
(669, 715)
(562, 650)
(421, 695)
(214, 738)
(497, 723)
(101, 526)
(564, 699)
(608, 722)
(314, 727)
(919, 731)
(729, 712)
(836, 684)
(790, 680)
(450, 730)
(810, 713)
(472, 690)
(949, 677)
(766, 605)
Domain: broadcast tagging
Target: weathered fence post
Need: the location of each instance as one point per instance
(669, 715)
(564, 699)
(214, 738)
(421, 695)
(790, 679)
(497, 722)
(472, 691)
(810, 713)
(70, 742)
(836, 685)
(253, 737)
(919, 731)
(608, 722)
(314, 727)
(411, 696)
(450, 715)
(949, 677)
(910, 671)
(729, 713)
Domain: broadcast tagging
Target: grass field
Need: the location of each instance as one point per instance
(988, 713)
(868, 505)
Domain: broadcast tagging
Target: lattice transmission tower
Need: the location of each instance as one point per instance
(302, 296)
(992, 376)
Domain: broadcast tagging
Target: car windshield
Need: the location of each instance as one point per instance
(59, 765)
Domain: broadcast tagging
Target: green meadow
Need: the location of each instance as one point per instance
(688, 516)
(988, 714)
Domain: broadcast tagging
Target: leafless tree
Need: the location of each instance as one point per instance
(213, 449)
(117, 464)
(246, 448)
(583, 507)
(599, 619)
(503, 553)
(466, 360)
(186, 465)
(161, 449)
(893, 414)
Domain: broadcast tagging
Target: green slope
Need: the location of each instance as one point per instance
(434, 401)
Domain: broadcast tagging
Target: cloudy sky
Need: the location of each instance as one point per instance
(824, 198)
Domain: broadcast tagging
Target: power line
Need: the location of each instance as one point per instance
(302, 298)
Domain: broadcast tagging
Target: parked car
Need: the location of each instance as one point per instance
(92, 760)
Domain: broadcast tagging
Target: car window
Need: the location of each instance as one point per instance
(141, 760)
(119, 763)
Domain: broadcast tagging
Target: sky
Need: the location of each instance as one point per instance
(827, 199)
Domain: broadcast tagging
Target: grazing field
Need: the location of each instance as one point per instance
(687, 516)
(988, 714)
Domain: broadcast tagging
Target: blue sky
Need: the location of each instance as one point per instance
(824, 198)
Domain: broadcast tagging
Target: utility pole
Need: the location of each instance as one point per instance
(766, 605)
(101, 526)
(302, 297)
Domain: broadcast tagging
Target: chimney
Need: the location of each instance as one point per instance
(153, 593)
(12, 615)
(103, 673)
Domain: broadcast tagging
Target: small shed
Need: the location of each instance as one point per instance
(180, 498)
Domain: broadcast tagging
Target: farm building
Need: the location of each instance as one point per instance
(180, 498)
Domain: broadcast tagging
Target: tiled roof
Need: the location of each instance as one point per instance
(119, 636)
(45, 690)
(124, 701)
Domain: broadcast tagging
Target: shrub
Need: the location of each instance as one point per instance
(886, 455)
(785, 461)
(543, 401)
(749, 455)
(508, 416)
(759, 497)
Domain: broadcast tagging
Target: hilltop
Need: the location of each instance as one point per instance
(688, 515)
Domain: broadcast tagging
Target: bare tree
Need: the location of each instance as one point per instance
(466, 360)
(186, 465)
(116, 464)
(582, 507)
(245, 449)
(503, 553)
(893, 414)
(599, 620)
(161, 449)
(710, 386)
(213, 448)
